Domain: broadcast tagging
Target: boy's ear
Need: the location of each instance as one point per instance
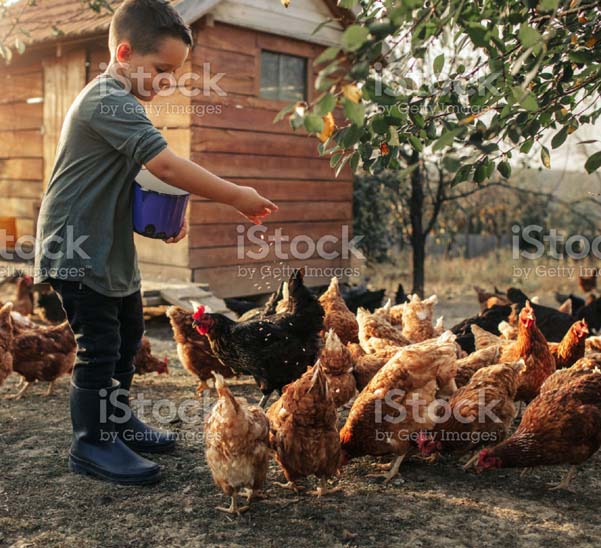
(123, 52)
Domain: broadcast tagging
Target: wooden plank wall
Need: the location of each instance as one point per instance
(21, 151)
(234, 136)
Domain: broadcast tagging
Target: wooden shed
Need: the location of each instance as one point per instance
(251, 58)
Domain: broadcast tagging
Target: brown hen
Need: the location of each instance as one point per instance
(337, 315)
(572, 346)
(337, 363)
(304, 431)
(6, 342)
(145, 362)
(236, 445)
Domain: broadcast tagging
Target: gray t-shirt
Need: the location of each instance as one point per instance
(85, 226)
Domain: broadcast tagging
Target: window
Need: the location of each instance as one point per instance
(283, 77)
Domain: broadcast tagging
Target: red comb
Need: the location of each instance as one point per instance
(199, 313)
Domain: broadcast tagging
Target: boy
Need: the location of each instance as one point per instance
(85, 246)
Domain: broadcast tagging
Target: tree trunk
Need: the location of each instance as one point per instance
(418, 236)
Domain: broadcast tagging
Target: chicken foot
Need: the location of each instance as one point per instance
(323, 488)
(20, 393)
(50, 390)
(471, 461)
(566, 480)
(394, 470)
(234, 508)
(291, 486)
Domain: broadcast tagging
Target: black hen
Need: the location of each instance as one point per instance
(488, 319)
(552, 323)
(591, 312)
(276, 350)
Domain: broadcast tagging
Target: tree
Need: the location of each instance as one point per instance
(533, 67)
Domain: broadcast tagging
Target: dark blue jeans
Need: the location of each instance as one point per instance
(108, 331)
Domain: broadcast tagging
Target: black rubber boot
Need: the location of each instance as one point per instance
(137, 435)
(97, 450)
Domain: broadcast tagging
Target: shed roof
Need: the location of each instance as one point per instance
(52, 20)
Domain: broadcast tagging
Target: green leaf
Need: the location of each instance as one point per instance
(545, 157)
(504, 168)
(528, 36)
(418, 119)
(438, 64)
(313, 123)
(463, 174)
(593, 163)
(326, 104)
(451, 164)
(347, 4)
(526, 146)
(446, 139)
(416, 143)
(328, 54)
(354, 37)
(525, 98)
(560, 137)
(478, 35)
(355, 112)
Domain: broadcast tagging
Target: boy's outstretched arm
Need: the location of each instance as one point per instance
(187, 175)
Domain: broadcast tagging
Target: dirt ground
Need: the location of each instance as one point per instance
(42, 504)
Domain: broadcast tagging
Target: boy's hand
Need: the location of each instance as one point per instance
(252, 205)
(182, 234)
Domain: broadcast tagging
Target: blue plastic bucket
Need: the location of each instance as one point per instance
(159, 208)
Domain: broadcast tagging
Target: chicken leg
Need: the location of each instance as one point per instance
(566, 480)
(323, 488)
(20, 393)
(394, 470)
(290, 486)
(234, 508)
(50, 389)
(472, 460)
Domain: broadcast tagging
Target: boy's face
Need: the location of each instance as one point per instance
(149, 73)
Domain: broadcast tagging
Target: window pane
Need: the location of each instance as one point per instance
(269, 74)
(283, 77)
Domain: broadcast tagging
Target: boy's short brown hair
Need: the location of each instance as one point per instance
(144, 23)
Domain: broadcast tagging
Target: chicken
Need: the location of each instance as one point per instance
(572, 346)
(368, 365)
(466, 367)
(417, 318)
(236, 445)
(591, 312)
(483, 338)
(532, 346)
(480, 413)
(275, 350)
(337, 315)
(563, 377)
(572, 301)
(6, 342)
(337, 363)
(304, 433)
(396, 315)
(588, 283)
(43, 353)
(561, 426)
(376, 333)
(49, 306)
(194, 350)
(488, 320)
(356, 351)
(145, 362)
(552, 323)
(23, 300)
(396, 404)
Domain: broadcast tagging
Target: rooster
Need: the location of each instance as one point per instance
(275, 350)
(337, 315)
(304, 431)
(561, 426)
(532, 346)
(6, 342)
(193, 350)
(572, 346)
(145, 362)
(402, 390)
(481, 413)
(43, 353)
(236, 446)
